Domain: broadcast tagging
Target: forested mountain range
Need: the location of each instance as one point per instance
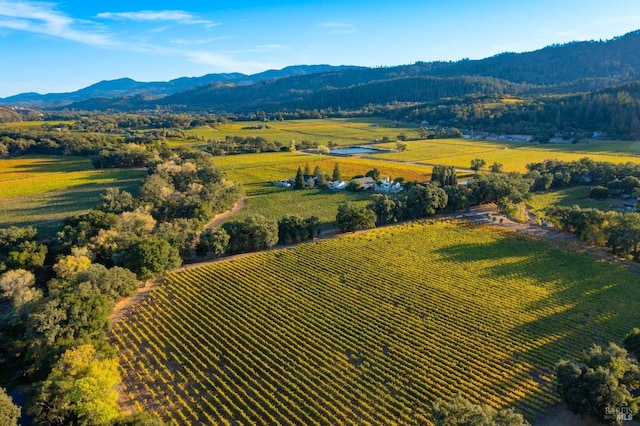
(578, 71)
(126, 87)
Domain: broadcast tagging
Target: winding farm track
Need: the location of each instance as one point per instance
(221, 217)
(123, 306)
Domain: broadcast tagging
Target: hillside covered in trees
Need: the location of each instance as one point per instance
(569, 68)
(574, 89)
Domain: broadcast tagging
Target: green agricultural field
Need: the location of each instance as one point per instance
(514, 156)
(341, 131)
(26, 124)
(369, 328)
(258, 171)
(321, 203)
(577, 196)
(36, 175)
(43, 190)
(46, 211)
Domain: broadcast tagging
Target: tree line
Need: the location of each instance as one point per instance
(602, 382)
(56, 298)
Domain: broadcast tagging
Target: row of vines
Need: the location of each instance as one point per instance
(368, 328)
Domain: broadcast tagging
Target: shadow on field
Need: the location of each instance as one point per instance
(44, 165)
(46, 211)
(575, 300)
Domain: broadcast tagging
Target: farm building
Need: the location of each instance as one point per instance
(366, 182)
(387, 186)
(338, 185)
(285, 183)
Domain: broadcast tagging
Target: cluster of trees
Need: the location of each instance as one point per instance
(458, 411)
(619, 231)
(618, 178)
(20, 249)
(317, 179)
(257, 233)
(601, 383)
(507, 190)
(243, 145)
(44, 325)
(118, 122)
(22, 141)
(444, 175)
(438, 132)
(154, 231)
(417, 201)
(614, 111)
(111, 139)
(105, 150)
(123, 155)
(56, 299)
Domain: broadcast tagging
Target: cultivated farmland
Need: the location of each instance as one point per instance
(576, 196)
(369, 328)
(514, 156)
(257, 172)
(43, 190)
(341, 131)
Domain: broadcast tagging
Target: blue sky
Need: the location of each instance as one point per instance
(69, 44)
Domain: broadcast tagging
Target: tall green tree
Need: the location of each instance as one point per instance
(351, 218)
(496, 167)
(504, 189)
(477, 164)
(444, 175)
(373, 173)
(385, 208)
(18, 286)
(148, 257)
(425, 200)
(116, 201)
(292, 228)
(624, 234)
(459, 411)
(213, 241)
(80, 390)
(336, 175)
(9, 412)
(321, 178)
(599, 381)
(78, 312)
(299, 180)
(256, 232)
(19, 249)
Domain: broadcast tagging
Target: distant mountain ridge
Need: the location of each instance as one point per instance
(125, 87)
(576, 67)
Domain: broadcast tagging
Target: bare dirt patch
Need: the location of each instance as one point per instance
(219, 218)
(123, 306)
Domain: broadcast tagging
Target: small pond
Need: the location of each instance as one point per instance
(353, 150)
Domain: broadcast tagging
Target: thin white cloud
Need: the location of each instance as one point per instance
(262, 48)
(43, 18)
(188, 42)
(338, 27)
(177, 16)
(272, 47)
(223, 62)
